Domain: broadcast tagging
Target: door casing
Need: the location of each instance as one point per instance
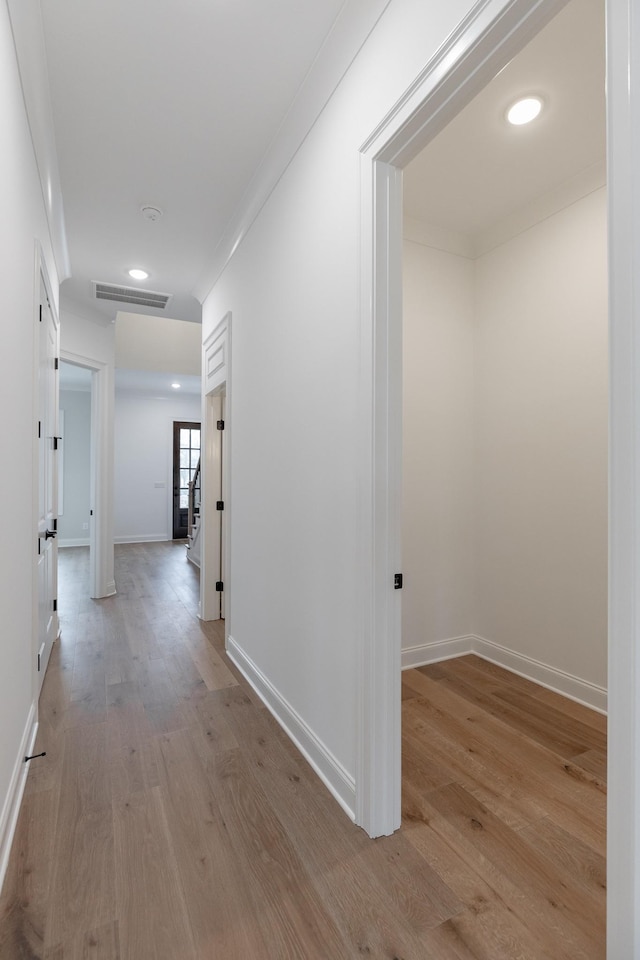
(48, 339)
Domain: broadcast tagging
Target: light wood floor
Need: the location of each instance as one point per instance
(172, 819)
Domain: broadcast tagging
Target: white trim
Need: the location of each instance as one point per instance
(623, 163)
(425, 653)
(216, 385)
(329, 769)
(73, 542)
(13, 799)
(574, 688)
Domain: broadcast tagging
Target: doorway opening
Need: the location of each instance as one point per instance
(505, 353)
(75, 518)
(462, 67)
(48, 440)
(388, 152)
(186, 473)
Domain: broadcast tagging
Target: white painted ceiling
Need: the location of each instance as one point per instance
(175, 104)
(480, 169)
(172, 104)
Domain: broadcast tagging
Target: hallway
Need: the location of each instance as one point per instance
(172, 819)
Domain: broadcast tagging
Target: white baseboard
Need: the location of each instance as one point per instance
(589, 694)
(73, 542)
(142, 538)
(13, 799)
(331, 772)
(426, 653)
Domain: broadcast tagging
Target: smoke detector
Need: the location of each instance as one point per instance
(150, 212)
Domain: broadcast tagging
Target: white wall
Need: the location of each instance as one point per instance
(23, 221)
(438, 519)
(292, 287)
(542, 414)
(505, 456)
(85, 336)
(143, 456)
(76, 450)
(157, 343)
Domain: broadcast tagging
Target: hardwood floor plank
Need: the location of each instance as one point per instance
(505, 769)
(216, 890)
(593, 761)
(573, 921)
(488, 926)
(102, 944)
(151, 906)
(23, 907)
(82, 889)
(292, 921)
(546, 724)
(363, 885)
(131, 747)
(587, 869)
(472, 757)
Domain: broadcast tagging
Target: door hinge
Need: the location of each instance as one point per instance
(38, 546)
(55, 605)
(220, 424)
(55, 442)
(397, 581)
(39, 429)
(219, 504)
(40, 313)
(219, 586)
(55, 523)
(56, 363)
(38, 663)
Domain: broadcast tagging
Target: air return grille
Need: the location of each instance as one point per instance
(141, 298)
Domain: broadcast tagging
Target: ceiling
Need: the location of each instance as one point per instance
(175, 105)
(480, 169)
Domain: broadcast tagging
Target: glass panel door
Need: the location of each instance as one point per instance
(186, 455)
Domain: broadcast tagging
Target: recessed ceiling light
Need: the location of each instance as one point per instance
(138, 274)
(176, 386)
(524, 110)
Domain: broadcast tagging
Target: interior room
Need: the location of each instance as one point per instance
(505, 373)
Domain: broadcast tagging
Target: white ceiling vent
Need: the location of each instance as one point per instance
(141, 298)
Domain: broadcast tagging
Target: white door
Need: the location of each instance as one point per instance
(47, 483)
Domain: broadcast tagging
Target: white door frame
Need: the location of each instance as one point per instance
(487, 39)
(46, 419)
(101, 560)
(216, 384)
